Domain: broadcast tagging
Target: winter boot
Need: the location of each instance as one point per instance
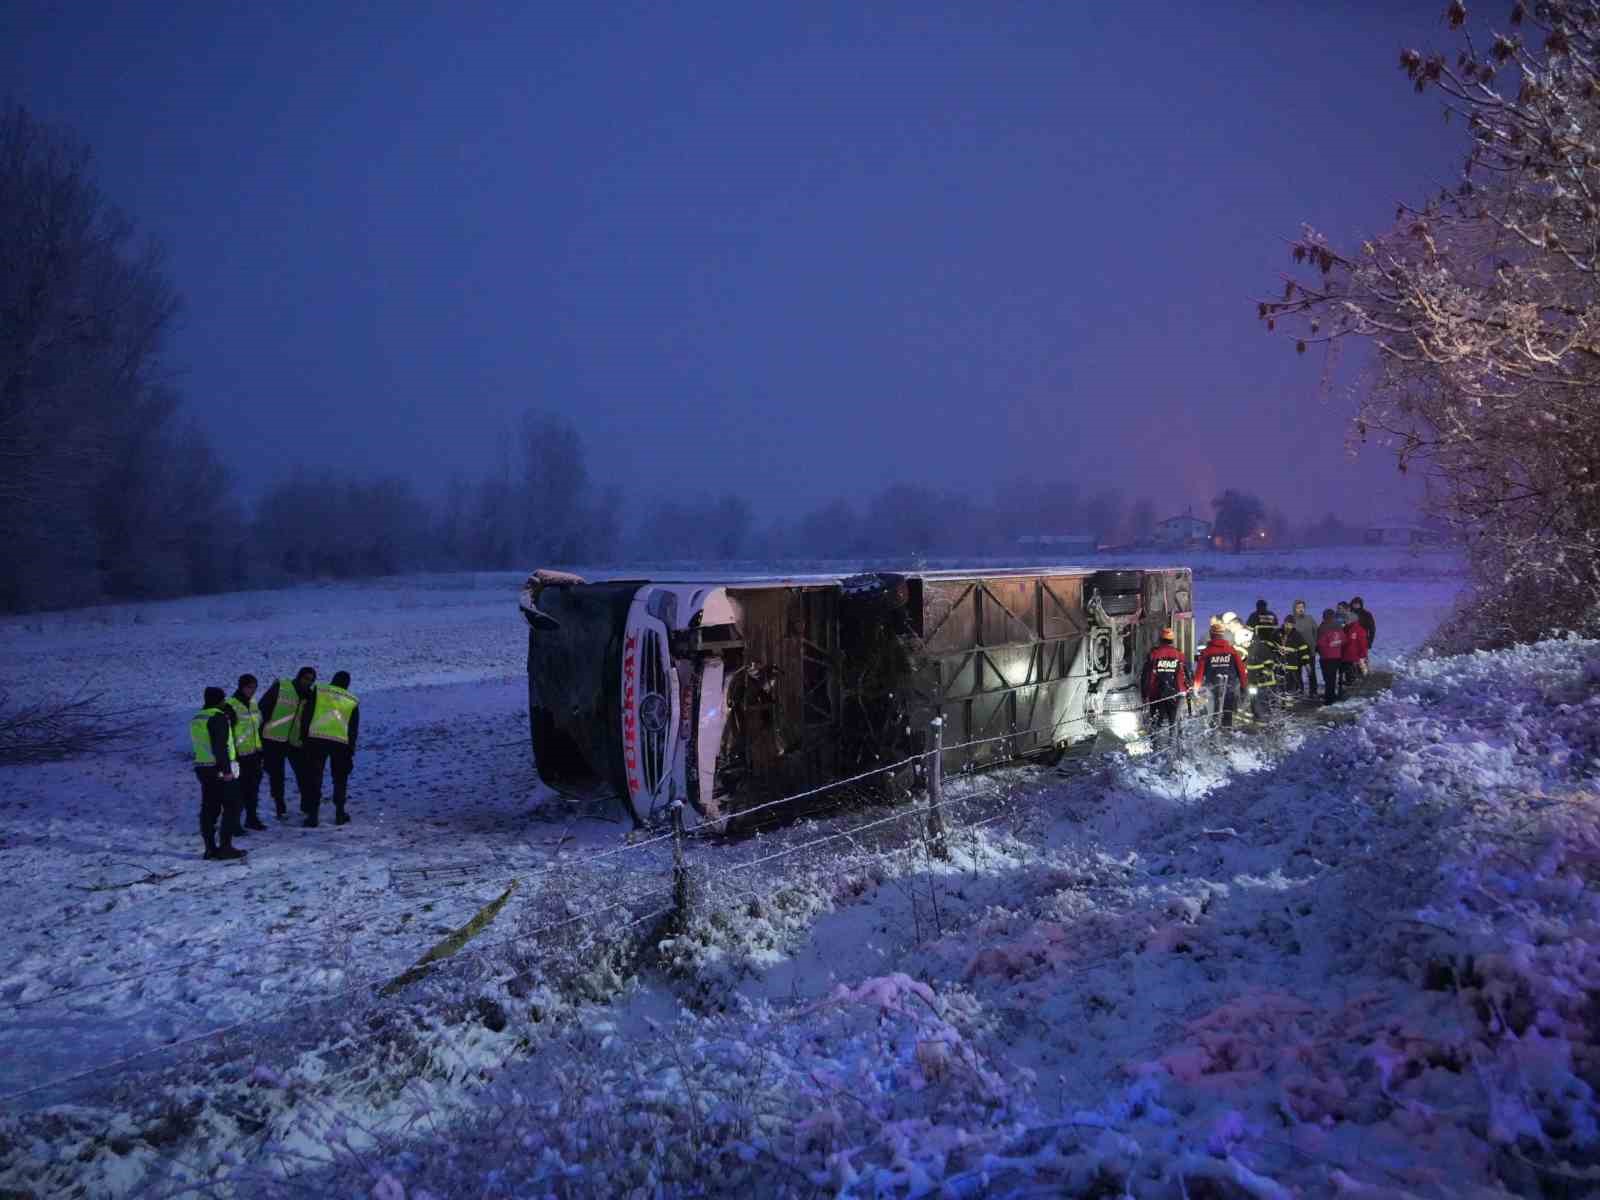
(229, 852)
(254, 822)
(310, 822)
(340, 817)
(211, 852)
(282, 812)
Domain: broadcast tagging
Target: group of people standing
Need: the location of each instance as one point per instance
(1283, 661)
(297, 723)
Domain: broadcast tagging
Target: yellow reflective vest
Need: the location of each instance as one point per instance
(204, 756)
(284, 724)
(330, 719)
(246, 726)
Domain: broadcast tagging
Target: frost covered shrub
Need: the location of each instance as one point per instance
(1503, 609)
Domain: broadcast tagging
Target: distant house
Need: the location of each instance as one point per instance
(1400, 534)
(1058, 543)
(1184, 530)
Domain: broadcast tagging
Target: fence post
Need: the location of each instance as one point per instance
(936, 841)
(680, 870)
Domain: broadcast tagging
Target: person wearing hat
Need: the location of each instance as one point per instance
(216, 766)
(1166, 679)
(1222, 671)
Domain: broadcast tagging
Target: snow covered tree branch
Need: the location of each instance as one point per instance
(1483, 305)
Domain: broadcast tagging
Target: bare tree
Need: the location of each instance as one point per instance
(90, 432)
(555, 488)
(1484, 309)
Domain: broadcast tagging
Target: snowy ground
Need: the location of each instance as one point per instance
(1149, 970)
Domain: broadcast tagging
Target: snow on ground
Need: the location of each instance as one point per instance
(1154, 968)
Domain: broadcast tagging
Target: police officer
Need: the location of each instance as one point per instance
(247, 742)
(331, 732)
(1166, 679)
(281, 724)
(216, 766)
(1222, 671)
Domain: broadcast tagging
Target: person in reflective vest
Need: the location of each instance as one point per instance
(1263, 619)
(281, 713)
(331, 734)
(216, 766)
(1294, 654)
(1166, 680)
(1263, 661)
(247, 741)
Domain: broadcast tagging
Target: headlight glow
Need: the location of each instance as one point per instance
(1124, 725)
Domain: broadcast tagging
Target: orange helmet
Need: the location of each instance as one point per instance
(1167, 635)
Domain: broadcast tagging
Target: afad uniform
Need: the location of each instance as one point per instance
(1166, 679)
(1220, 668)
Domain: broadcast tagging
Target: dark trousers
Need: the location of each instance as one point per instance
(250, 785)
(273, 756)
(1164, 713)
(1261, 701)
(219, 798)
(1332, 676)
(1224, 697)
(309, 761)
(340, 763)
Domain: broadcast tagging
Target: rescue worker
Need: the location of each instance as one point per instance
(1294, 654)
(1330, 649)
(216, 766)
(1166, 680)
(1359, 607)
(1221, 670)
(331, 730)
(1355, 651)
(247, 744)
(280, 729)
(1307, 625)
(1263, 619)
(1262, 661)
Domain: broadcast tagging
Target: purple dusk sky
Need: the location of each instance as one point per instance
(795, 250)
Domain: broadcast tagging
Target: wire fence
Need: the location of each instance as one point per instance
(1193, 732)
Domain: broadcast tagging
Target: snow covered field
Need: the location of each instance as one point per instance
(1339, 955)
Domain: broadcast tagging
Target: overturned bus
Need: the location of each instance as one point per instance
(728, 694)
